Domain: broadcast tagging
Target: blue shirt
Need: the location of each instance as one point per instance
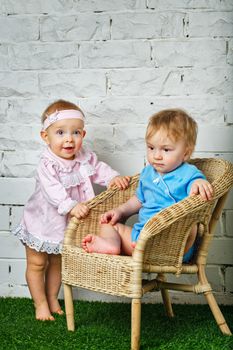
(156, 191)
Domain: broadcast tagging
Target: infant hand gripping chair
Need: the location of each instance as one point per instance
(159, 249)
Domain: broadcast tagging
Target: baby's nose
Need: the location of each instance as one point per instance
(69, 137)
(157, 154)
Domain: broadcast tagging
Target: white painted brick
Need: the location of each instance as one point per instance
(8, 290)
(18, 29)
(130, 139)
(191, 4)
(188, 81)
(80, 27)
(15, 190)
(106, 5)
(16, 215)
(229, 201)
(212, 24)
(187, 53)
(115, 54)
(171, 81)
(43, 56)
(114, 110)
(79, 83)
(4, 217)
(21, 84)
(56, 6)
(95, 141)
(229, 279)
(125, 164)
(19, 163)
(4, 61)
(139, 82)
(20, 137)
(226, 156)
(11, 246)
(132, 110)
(221, 139)
(229, 223)
(221, 251)
(23, 111)
(13, 271)
(147, 25)
(229, 110)
(34, 6)
(230, 52)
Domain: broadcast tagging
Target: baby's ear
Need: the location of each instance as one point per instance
(84, 133)
(187, 154)
(44, 136)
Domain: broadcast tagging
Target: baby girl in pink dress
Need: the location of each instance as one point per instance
(64, 180)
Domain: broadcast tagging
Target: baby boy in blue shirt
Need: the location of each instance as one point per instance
(168, 178)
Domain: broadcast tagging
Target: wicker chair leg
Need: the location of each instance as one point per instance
(68, 294)
(217, 313)
(135, 323)
(166, 297)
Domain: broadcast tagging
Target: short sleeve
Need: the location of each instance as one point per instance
(139, 191)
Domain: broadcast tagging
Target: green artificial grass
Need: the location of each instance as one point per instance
(106, 326)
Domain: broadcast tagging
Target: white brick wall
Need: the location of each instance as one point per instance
(121, 60)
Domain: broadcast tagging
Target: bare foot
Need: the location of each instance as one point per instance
(43, 313)
(96, 244)
(54, 306)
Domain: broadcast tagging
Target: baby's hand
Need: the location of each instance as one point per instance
(111, 217)
(122, 182)
(202, 187)
(80, 211)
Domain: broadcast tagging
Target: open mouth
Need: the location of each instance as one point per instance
(68, 149)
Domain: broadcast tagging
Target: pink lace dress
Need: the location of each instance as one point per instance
(60, 185)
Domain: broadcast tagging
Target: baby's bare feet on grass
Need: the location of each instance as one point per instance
(43, 313)
(54, 306)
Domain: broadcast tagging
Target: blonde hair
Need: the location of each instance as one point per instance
(178, 125)
(59, 105)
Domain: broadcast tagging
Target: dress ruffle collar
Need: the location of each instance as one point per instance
(69, 176)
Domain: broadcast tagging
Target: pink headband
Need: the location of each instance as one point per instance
(60, 115)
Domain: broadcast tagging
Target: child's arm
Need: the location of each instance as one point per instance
(125, 210)
(202, 187)
(122, 182)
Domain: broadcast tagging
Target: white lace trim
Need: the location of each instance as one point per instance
(68, 176)
(71, 180)
(76, 178)
(35, 243)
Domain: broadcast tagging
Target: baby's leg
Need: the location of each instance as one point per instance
(124, 231)
(107, 242)
(35, 276)
(191, 239)
(53, 282)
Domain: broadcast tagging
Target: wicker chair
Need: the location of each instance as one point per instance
(159, 249)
